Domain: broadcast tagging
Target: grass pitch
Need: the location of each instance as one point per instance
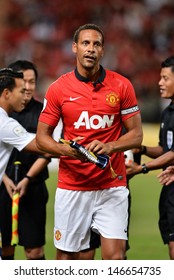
(144, 237)
(145, 240)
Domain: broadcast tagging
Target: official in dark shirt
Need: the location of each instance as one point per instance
(163, 155)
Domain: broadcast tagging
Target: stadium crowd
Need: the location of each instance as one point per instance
(139, 35)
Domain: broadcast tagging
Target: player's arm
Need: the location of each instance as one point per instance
(19, 138)
(157, 163)
(33, 148)
(133, 136)
(37, 167)
(34, 170)
(21, 187)
(152, 152)
(46, 142)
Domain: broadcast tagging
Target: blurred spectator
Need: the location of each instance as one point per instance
(139, 34)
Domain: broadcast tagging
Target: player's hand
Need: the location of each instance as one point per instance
(22, 186)
(71, 152)
(9, 184)
(78, 155)
(98, 147)
(133, 169)
(166, 177)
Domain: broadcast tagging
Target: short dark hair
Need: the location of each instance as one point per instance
(88, 26)
(168, 62)
(20, 65)
(7, 78)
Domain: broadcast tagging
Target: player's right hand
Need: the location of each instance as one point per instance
(9, 184)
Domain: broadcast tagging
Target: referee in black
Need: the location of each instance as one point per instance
(163, 155)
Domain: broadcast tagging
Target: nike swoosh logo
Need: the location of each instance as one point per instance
(74, 98)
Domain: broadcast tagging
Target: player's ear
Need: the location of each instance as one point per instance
(102, 53)
(6, 93)
(74, 47)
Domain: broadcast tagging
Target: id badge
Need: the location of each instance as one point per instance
(169, 139)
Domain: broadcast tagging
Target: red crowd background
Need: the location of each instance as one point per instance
(139, 34)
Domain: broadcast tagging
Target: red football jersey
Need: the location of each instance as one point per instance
(94, 111)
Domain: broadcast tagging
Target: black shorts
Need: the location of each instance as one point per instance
(166, 212)
(31, 217)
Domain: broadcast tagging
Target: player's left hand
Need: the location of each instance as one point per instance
(99, 147)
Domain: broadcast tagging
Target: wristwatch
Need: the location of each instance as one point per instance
(143, 150)
(145, 169)
(28, 177)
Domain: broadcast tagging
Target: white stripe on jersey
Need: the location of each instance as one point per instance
(129, 110)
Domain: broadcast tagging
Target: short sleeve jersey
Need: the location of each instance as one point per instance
(94, 111)
(28, 118)
(12, 135)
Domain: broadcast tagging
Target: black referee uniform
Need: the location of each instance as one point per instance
(166, 202)
(32, 206)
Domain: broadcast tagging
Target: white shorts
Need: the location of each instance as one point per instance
(77, 212)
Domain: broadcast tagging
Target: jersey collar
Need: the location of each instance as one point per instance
(86, 80)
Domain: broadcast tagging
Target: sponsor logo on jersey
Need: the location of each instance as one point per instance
(112, 99)
(74, 98)
(94, 122)
(58, 235)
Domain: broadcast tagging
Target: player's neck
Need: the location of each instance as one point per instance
(91, 74)
(5, 107)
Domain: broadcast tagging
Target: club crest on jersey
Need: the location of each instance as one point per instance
(112, 99)
(58, 235)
